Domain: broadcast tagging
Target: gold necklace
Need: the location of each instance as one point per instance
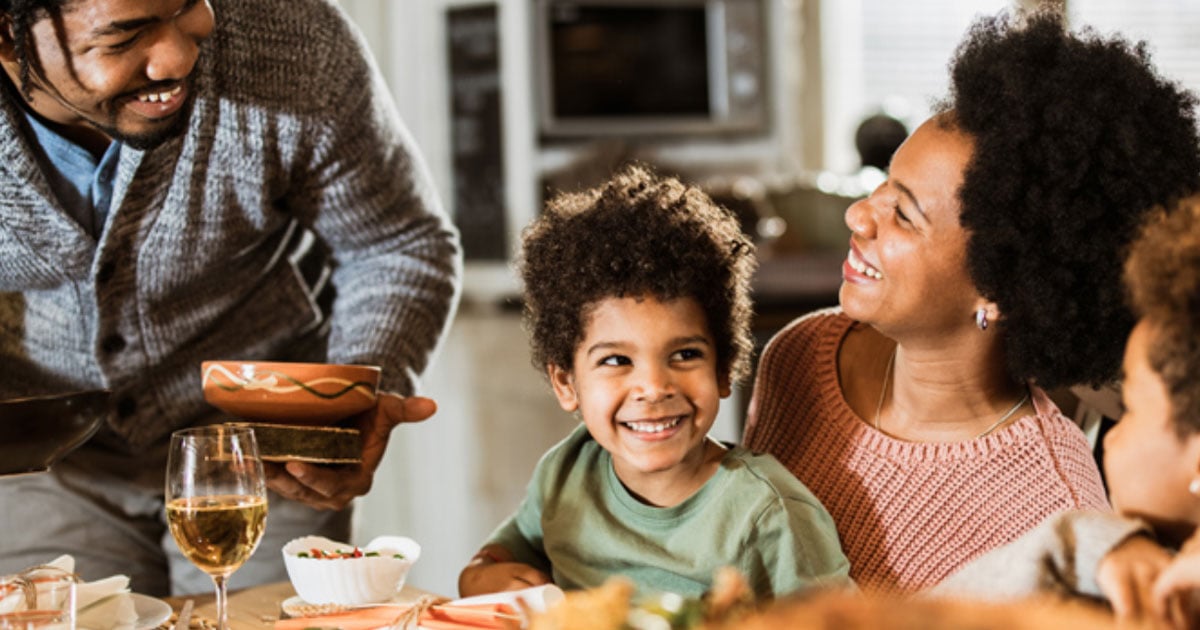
(887, 374)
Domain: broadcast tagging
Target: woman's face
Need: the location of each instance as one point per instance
(1148, 465)
(906, 269)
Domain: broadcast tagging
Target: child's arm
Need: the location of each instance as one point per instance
(493, 569)
(1062, 554)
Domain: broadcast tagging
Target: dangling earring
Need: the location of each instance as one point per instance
(1194, 487)
(981, 318)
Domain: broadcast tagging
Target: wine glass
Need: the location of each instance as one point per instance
(216, 498)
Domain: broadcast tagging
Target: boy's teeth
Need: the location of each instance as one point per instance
(652, 427)
(858, 265)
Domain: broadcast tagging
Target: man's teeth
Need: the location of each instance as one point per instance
(858, 265)
(653, 427)
(159, 97)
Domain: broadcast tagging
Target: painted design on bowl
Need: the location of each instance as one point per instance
(270, 381)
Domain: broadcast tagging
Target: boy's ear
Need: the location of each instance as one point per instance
(1193, 455)
(724, 384)
(564, 387)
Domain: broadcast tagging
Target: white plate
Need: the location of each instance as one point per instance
(150, 611)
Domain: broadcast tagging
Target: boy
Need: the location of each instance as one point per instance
(637, 304)
(1151, 458)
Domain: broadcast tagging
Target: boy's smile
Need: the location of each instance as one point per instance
(645, 381)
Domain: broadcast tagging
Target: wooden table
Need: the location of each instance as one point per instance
(258, 607)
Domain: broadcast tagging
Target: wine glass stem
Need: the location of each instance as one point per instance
(222, 600)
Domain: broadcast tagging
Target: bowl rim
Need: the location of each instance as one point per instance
(62, 450)
(412, 554)
(302, 364)
(78, 393)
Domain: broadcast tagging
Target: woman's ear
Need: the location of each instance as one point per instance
(563, 383)
(986, 313)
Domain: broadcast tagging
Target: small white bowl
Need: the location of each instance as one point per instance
(349, 581)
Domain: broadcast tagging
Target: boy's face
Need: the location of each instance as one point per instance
(123, 67)
(1148, 466)
(645, 381)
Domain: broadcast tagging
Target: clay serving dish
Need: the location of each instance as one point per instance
(305, 394)
(37, 432)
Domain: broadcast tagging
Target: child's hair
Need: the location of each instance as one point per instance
(1162, 274)
(636, 235)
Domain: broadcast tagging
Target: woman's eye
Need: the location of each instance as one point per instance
(900, 215)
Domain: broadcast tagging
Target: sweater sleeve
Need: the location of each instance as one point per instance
(364, 189)
(795, 547)
(1061, 555)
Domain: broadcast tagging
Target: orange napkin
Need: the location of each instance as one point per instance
(439, 617)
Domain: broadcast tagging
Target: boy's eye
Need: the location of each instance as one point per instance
(688, 354)
(615, 359)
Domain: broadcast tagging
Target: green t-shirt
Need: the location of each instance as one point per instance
(580, 525)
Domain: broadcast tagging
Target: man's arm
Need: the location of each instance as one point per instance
(364, 190)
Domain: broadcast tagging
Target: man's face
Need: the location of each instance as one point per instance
(123, 67)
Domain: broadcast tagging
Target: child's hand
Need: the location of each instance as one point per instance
(1127, 573)
(1177, 586)
(492, 570)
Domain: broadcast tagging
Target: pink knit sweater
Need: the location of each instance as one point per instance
(909, 514)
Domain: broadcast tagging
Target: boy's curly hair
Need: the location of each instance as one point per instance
(1075, 138)
(636, 235)
(1163, 278)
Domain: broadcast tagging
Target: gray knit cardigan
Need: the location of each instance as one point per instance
(209, 250)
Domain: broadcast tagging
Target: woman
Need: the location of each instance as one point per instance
(983, 272)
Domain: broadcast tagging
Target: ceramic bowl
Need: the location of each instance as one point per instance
(290, 393)
(37, 432)
(369, 579)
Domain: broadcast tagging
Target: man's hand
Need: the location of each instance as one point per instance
(332, 488)
(492, 571)
(1126, 576)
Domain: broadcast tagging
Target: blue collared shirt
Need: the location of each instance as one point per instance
(82, 183)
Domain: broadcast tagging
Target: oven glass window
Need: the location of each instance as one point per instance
(629, 61)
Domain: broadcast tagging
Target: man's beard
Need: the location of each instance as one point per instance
(152, 139)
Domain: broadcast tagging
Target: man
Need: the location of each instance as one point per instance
(183, 180)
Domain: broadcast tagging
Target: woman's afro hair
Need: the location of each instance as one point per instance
(637, 235)
(1075, 137)
(1163, 277)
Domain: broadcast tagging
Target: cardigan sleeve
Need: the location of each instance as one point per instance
(363, 187)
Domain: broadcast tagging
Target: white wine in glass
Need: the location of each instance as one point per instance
(216, 499)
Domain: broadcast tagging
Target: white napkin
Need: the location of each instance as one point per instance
(536, 598)
(102, 604)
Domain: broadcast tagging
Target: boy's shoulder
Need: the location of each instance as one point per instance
(760, 474)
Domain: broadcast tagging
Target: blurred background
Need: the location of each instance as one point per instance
(757, 101)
